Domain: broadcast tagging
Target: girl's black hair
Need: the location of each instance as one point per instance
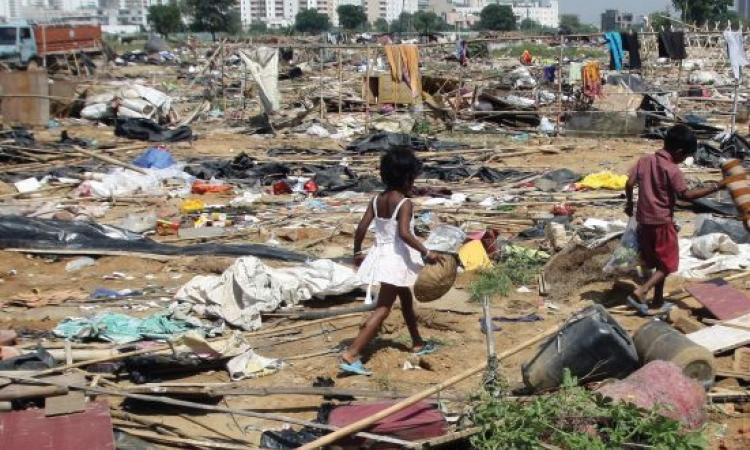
(398, 167)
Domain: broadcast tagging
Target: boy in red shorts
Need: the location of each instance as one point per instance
(660, 183)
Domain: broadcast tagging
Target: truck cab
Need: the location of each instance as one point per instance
(17, 43)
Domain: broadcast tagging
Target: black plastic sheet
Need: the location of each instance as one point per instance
(49, 234)
(457, 169)
(148, 130)
(383, 141)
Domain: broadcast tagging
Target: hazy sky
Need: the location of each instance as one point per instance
(591, 10)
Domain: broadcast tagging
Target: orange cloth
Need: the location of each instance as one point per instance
(526, 57)
(404, 62)
(592, 79)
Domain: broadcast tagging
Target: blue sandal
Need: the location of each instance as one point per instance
(355, 368)
(428, 348)
(641, 308)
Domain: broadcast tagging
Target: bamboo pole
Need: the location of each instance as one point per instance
(341, 81)
(560, 84)
(366, 422)
(110, 160)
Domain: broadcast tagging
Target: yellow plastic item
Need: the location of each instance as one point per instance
(473, 256)
(604, 180)
(192, 205)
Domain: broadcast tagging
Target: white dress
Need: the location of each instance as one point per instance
(390, 260)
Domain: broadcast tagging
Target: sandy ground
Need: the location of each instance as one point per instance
(453, 320)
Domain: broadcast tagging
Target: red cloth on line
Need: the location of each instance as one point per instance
(659, 182)
(659, 247)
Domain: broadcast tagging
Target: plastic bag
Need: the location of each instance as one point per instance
(626, 257)
(706, 247)
(445, 239)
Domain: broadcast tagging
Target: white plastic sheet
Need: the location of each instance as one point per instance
(263, 63)
(249, 287)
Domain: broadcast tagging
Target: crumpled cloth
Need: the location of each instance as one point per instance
(604, 180)
(249, 287)
(691, 266)
(244, 362)
(121, 328)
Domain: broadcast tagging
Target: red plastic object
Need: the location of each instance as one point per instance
(662, 385)
(419, 421)
(281, 188)
(200, 187)
(311, 187)
(31, 429)
(563, 209)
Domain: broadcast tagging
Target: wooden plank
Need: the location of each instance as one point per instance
(72, 402)
(28, 111)
(720, 338)
(721, 299)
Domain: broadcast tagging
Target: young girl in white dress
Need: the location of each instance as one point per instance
(396, 258)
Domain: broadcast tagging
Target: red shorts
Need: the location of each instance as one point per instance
(659, 247)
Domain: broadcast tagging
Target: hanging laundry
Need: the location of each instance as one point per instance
(616, 54)
(550, 73)
(632, 45)
(592, 79)
(736, 49)
(404, 62)
(575, 72)
(462, 52)
(672, 45)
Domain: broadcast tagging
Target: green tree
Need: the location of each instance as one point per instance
(659, 20)
(165, 19)
(428, 22)
(404, 23)
(381, 25)
(702, 11)
(497, 18)
(214, 16)
(571, 24)
(530, 25)
(351, 17)
(311, 21)
(257, 28)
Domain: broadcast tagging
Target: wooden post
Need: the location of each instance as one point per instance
(341, 81)
(320, 86)
(734, 106)
(560, 83)
(679, 89)
(366, 422)
(223, 62)
(367, 86)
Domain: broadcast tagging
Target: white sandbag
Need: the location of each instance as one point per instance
(249, 287)
(128, 113)
(706, 247)
(96, 111)
(100, 98)
(153, 96)
(138, 105)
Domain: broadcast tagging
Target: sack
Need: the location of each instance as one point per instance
(626, 257)
(435, 280)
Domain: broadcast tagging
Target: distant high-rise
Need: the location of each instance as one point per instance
(743, 8)
(614, 20)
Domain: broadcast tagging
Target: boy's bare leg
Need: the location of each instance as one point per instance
(657, 279)
(386, 297)
(659, 293)
(410, 317)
